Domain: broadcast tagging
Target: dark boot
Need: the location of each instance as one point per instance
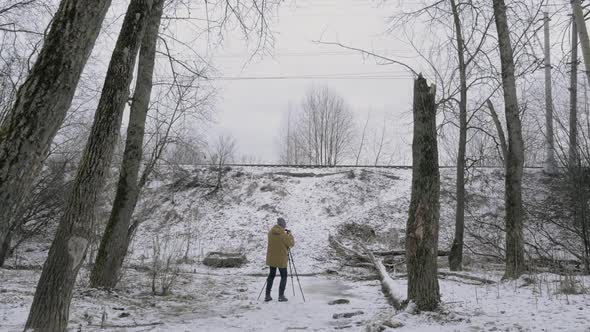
(268, 298)
(282, 298)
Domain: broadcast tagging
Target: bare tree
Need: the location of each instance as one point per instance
(113, 246)
(223, 152)
(42, 101)
(515, 157)
(50, 308)
(361, 145)
(324, 128)
(550, 166)
(289, 145)
(378, 143)
(456, 255)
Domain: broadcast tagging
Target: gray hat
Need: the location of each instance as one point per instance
(281, 222)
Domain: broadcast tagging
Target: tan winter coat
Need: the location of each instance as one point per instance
(279, 243)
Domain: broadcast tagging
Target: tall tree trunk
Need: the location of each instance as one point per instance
(515, 157)
(573, 123)
(550, 166)
(50, 308)
(456, 254)
(114, 245)
(422, 224)
(577, 192)
(583, 34)
(42, 102)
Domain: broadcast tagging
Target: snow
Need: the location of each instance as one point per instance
(238, 218)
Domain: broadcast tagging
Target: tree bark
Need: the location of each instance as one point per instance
(422, 224)
(114, 245)
(43, 100)
(550, 166)
(50, 308)
(583, 34)
(515, 156)
(456, 256)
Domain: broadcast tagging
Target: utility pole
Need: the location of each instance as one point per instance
(583, 34)
(549, 167)
(573, 144)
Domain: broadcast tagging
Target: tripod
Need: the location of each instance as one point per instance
(292, 263)
(292, 268)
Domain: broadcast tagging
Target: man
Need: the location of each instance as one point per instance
(280, 240)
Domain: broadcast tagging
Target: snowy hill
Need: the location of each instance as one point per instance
(184, 218)
(315, 203)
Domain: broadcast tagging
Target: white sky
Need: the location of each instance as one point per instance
(252, 110)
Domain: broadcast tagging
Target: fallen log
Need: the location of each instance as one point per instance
(386, 283)
(457, 275)
(466, 276)
(122, 326)
(441, 253)
(347, 252)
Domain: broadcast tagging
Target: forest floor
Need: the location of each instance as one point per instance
(184, 220)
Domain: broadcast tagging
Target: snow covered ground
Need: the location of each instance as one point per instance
(216, 301)
(178, 214)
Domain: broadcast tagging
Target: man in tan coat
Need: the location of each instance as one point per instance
(280, 240)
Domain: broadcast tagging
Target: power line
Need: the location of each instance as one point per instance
(267, 78)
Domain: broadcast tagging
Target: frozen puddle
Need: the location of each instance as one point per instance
(313, 315)
(201, 302)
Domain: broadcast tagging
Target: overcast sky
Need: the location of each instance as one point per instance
(254, 94)
(252, 109)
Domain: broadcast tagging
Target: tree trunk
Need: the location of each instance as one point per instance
(578, 192)
(456, 256)
(50, 308)
(5, 247)
(573, 121)
(515, 156)
(113, 246)
(422, 224)
(583, 34)
(43, 100)
(550, 166)
(500, 130)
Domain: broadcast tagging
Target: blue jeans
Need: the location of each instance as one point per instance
(271, 277)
